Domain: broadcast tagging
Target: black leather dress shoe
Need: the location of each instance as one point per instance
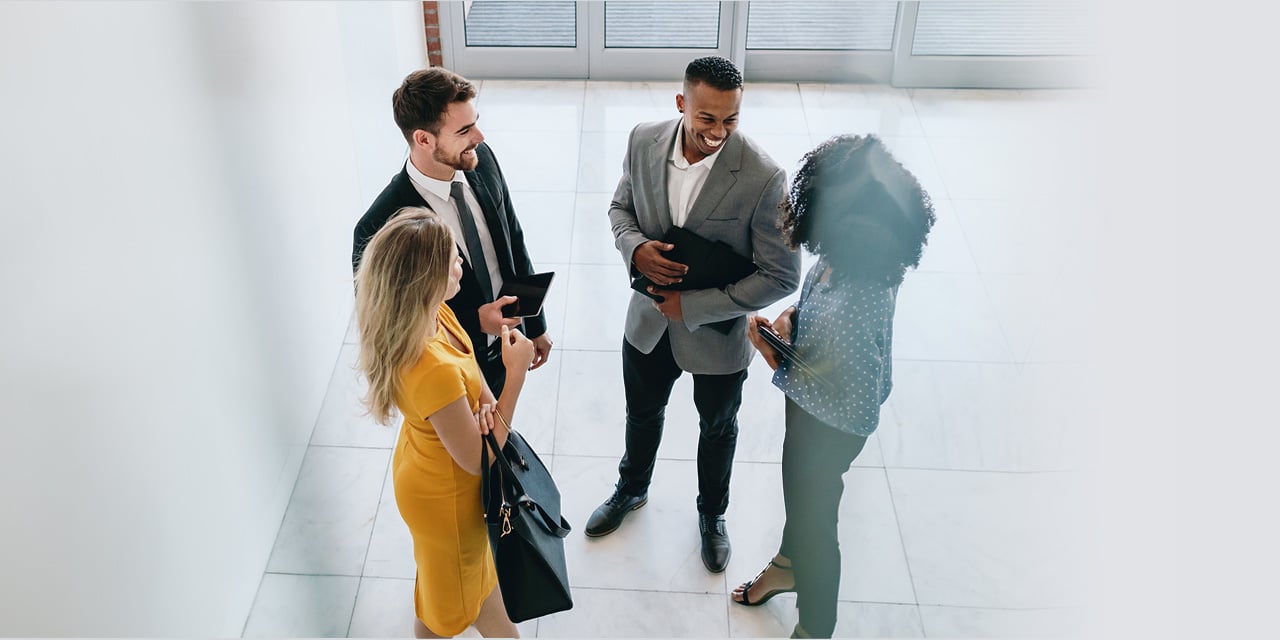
(608, 516)
(715, 542)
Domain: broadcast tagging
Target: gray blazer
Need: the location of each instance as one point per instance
(738, 205)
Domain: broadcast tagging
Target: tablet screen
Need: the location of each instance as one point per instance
(531, 291)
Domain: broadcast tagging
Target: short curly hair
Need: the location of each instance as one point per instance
(857, 207)
(715, 72)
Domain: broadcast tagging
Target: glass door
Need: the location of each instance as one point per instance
(788, 40)
(992, 44)
(598, 40)
(506, 39)
(655, 40)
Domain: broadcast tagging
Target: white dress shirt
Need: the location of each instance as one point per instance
(684, 180)
(437, 194)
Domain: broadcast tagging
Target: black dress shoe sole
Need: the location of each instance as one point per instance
(601, 534)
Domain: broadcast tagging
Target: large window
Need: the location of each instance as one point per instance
(989, 43)
(661, 25)
(801, 25)
(494, 23)
(978, 43)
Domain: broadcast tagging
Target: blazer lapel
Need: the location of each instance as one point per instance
(721, 179)
(659, 158)
(497, 223)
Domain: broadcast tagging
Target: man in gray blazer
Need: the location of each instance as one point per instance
(694, 172)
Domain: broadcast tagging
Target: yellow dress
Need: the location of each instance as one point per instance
(438, 499)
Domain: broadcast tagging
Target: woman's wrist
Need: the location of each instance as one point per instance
(502, 421)
(514, 380)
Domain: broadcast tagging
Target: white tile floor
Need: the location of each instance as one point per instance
(959, 519)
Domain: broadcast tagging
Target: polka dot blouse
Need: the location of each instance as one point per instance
(843, 331)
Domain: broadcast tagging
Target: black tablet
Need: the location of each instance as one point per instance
(779, 345)
(786, 352)
(531, 291)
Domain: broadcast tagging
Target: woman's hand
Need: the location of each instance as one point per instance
(783, 326)
(485, 418)
(517, 351)
(753, 334)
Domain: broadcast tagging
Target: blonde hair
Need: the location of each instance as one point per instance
(401, 282)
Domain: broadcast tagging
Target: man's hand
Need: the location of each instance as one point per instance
(541, 349)
(650, 262)
(670, 305)
(491, 320)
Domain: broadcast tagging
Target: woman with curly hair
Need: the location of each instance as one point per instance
(421, 364)
(867, 220)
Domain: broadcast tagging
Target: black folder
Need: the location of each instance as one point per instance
(712, 265)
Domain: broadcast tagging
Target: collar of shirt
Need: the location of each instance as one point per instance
(677, 153)
(439, 188)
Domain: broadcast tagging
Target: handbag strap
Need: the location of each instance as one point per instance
(485, 475)
(559, 529)
(504, 465)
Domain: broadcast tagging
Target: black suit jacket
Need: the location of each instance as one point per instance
(508, 239)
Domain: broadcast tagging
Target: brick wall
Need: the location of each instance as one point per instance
(431, 18)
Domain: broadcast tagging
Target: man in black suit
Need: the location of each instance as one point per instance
(452, 171)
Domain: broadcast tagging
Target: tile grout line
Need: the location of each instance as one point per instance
(577, 179)
(305, 454)
(932, 155)
(808, 130)
(279, 527)
(895, 359)
(555, 412)
(313, 575)
(338, 362)
(906, 559)
(363, 447)
(789, 596)
(245, 627)
(359, 585)
(854, 466)
(1023, 609)
(1019, 359)
(369, 544)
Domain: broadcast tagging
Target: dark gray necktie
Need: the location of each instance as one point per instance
(474, 246)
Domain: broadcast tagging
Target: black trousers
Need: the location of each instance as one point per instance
(648, 379)
(815, 457)
(490, 360)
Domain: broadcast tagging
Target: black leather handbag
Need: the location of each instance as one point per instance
(526, 530)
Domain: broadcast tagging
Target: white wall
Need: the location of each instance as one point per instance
(178, 184)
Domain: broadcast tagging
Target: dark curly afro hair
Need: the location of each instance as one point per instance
(713, 71)
(856, 206)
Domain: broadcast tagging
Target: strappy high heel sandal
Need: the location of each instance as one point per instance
(746, 588)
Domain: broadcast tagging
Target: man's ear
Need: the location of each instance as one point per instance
(423, 138)
(680, 102)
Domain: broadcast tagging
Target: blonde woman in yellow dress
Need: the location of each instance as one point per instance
(420, 362)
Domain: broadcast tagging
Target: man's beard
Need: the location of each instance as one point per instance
(459, 162)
